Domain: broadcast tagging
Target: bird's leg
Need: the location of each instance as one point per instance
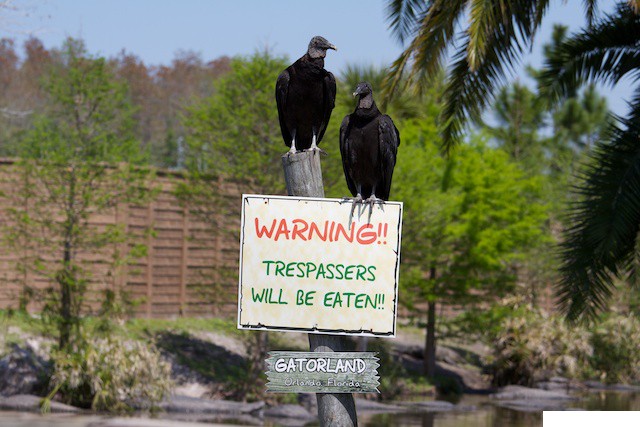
(292, 150)
(314, 145)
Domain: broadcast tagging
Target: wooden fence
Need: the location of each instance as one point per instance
(191, 264)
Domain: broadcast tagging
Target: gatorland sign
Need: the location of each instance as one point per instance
(328, 372)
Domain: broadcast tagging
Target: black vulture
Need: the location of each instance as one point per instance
(306, 94)
(369, 143)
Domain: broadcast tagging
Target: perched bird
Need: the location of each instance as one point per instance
(369, 143)
(306, 94)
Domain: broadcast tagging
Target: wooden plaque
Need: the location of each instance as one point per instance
(322, 372)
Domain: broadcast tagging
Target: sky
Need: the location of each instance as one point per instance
(155, 30)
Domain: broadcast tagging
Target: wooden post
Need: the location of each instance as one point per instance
(303, 175)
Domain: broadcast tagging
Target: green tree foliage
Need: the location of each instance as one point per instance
(234, 136)
(468, 220)
(582, 120)
(599, 245)
(79, 158)
(235, 132)
(520, 116)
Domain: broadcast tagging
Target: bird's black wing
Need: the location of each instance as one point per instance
(344, 152)
(282, 89)
(389, 141)
(329, 102)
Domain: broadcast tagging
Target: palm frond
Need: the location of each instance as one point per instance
(590, 10)
(498, 33)
(606, 52)
(601, 242)
(483, 18)
(434, 33)
(468, 91)
(402, 16)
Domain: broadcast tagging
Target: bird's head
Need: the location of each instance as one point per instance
(363, 89)
(318, 47)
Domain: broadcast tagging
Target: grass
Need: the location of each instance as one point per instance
(186, 340)
(145, 328)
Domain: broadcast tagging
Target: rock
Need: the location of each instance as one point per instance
(430, 406)
(527, 399)
(192, 390)
(624, 387)
(363, 405)
(230, 344)
(448, 355)
(289, 415)
(30, 403)
(309, 402)
(551, 386)
(145, 422)
(533, 405)
(466, 408)
(192, 405)
(14, 330)
(517, 392)
(183, 375)
(288, 411)
(596, 385)
(23, 370)
(559, 384)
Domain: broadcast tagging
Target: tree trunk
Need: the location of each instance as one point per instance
(430, 341)
(66, 278)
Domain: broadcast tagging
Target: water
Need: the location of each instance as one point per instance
(479, 412)
(488, 415)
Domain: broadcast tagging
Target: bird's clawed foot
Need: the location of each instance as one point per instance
(355, 201)
(373, 200)
(316, 149)
(291, 151)
(346, 199)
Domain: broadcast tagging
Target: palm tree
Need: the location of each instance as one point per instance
(603, 242)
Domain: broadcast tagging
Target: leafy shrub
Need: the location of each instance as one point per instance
(616, 349)
(531, 346)
(536, 346)
(112, 375)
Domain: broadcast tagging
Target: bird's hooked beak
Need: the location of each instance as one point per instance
(357, 92)
(331, 46)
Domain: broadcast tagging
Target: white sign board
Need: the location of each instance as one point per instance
(307, 264)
